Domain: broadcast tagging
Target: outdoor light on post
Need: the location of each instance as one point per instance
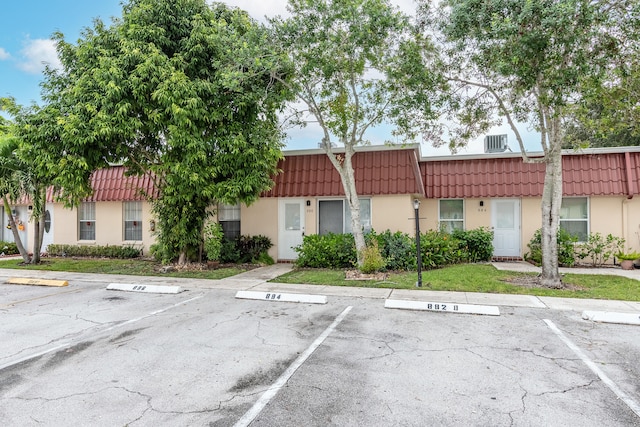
(416, 207)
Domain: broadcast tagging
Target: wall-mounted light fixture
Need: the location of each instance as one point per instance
(152, 225)
(308, 202)
(481, 203)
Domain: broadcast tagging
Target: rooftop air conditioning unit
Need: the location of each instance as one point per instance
(495, 143)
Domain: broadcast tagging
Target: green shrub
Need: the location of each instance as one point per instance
(108, 251)
(229, 252)
(327, 251)
(251, 247)
(477, 243)
(8, 248)
(566, 252)
(599, 249)
(213, 237)
(246, 249)
(398, 249)
(439, 248)
(372, 260)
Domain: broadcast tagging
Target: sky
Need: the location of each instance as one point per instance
(26, 27)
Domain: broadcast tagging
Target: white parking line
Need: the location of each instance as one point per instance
(632, 404)
(255, 410)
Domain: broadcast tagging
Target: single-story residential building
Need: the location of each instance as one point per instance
(497, 190)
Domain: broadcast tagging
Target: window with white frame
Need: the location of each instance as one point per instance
(574, 217)
(334, 216)
(87, 221)
(229, 219)
(451, 215)
(132, 221)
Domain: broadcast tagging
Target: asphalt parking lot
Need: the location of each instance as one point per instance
(81, 355)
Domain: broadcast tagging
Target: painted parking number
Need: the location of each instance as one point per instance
(273, 296)
(139, 288)
(441, 307)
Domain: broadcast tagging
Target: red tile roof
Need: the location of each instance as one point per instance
(599, 172)
(596, 174)
(111, 185)
(377, 173)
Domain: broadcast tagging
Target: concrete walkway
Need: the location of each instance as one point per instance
(258, 280)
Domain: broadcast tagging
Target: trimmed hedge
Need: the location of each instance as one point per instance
(8, 248)
(327, 251)
(94, 251)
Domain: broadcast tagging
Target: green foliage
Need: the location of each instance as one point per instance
(372, 260)
(439, 249)
(398, 249)
(566, 249)
(213, 237)
(229, 252)
(246, 249)
(183, 91)
(528, 62)
(598, 248)
(327, 251)
(252, 247)
(628, 256)
(357, 64)
(8, 248)
(477, 243)
(108, 251)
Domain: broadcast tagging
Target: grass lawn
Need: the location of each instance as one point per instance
(134, 267)
(479, 278)
(460, 278)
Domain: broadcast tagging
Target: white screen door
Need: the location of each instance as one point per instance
(505, 219)
(291, 227)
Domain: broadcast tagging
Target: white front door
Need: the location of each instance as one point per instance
(505, 219)
(291, 227)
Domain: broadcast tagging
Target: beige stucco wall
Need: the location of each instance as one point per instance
(394, 213)
(261, 218)
(618, 216)
(109, 226)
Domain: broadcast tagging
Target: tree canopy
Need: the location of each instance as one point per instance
(21, 175)
(179, 89)
(357, 64)
(529, 62)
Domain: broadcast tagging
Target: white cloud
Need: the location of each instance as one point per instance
(38, 53)
(4, 54)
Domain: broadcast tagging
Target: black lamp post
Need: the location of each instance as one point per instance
(416, 207)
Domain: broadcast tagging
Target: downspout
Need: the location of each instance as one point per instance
(627, 164)
(625, 202)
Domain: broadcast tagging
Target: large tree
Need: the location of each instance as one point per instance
(528, 62)
(609, 114)
(358, 63)
(21, 177)
(178, 89)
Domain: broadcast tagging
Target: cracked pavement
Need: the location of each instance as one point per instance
(203, 358)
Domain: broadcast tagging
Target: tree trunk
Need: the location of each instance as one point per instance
(37, 240)
(551, 203)
(14, 230)
(344, 166)
(182, 259)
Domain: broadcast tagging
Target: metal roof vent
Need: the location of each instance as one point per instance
(495, 143)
